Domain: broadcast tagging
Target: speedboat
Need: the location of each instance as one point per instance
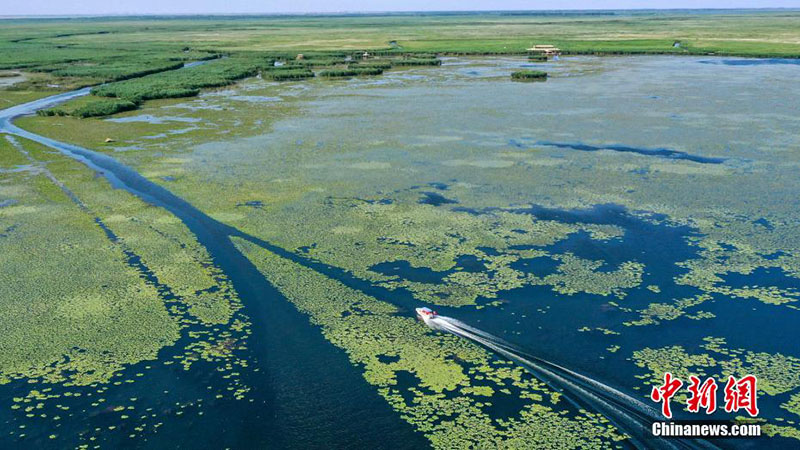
(425, 314)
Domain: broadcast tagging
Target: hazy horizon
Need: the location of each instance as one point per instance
(235, 7)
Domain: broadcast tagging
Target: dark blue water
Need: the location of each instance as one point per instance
(761, 276)
(464, 263)
(656, 152)
(435, 199)
(548, 325)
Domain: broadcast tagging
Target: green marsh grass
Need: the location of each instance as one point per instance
(317, 62)
(381, 64)
(184, 82)
(112, 71)
(352, 72)
(287, 74)
(104, 108)
(417, 62)
(529, 75)
(62, 54)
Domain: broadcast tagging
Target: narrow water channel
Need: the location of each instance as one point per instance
(308, 394)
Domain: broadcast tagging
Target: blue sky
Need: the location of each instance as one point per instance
(40, 7)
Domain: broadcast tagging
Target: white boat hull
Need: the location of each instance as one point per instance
(425, 315)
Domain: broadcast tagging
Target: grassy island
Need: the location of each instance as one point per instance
(528, 75)
(351, 72)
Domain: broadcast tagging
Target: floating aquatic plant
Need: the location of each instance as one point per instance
(441, 364)
(72, 308)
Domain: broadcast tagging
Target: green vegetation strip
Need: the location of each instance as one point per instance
(111, 70)
(523, 75)
(381, 64)
(417, 62)
(288, 74)
(185, 82)
(334, 73)
(96, 108)
(317, 62)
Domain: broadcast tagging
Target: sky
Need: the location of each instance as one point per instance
(103, 7)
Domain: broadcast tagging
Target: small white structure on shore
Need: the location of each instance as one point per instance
(545, 49)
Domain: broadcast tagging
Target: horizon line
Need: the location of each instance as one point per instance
(368, 13)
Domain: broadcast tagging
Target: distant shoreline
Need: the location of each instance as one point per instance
(539, 12)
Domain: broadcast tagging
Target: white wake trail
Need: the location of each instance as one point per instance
(631, 415)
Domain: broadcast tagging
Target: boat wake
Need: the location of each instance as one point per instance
(629, 414)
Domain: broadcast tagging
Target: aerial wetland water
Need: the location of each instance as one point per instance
(266, 245)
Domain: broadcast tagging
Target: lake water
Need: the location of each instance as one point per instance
(554, 215)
